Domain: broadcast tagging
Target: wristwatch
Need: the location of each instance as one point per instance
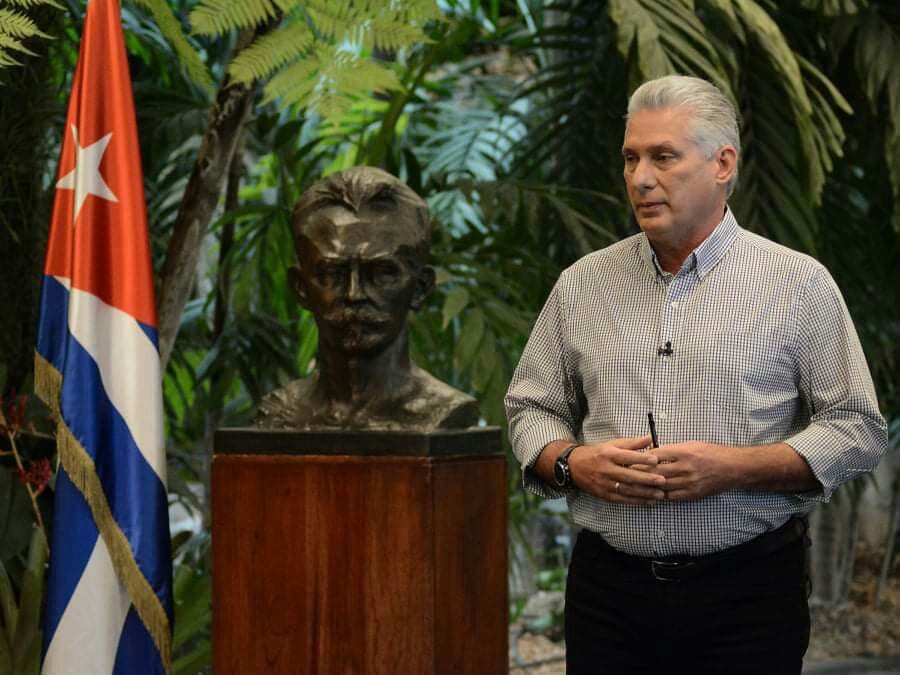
(562, 476)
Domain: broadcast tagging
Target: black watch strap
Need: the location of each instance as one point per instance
(561, 474)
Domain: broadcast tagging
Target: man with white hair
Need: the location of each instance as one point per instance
(740, 357)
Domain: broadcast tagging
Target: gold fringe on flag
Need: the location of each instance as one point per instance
(83, 473)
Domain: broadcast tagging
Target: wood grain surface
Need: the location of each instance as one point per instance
(359, 565)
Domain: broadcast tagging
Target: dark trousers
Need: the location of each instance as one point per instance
(747, 617)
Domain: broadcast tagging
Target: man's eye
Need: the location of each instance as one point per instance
(328, 274)
(386, 271)
(664, 157)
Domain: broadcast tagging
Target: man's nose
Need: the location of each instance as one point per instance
(354, 287)
(642, 177)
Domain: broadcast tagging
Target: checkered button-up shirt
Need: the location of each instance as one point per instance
(763, 350)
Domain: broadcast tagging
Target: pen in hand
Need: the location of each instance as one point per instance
(653, 430)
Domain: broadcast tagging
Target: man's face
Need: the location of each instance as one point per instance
(673, 187)
(356, 276)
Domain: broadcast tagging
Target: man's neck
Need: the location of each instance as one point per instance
(672, 252)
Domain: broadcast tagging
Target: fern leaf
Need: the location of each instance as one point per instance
(331, 20)
(271, 52)
(328, 80)
(6, 60)
(388, 35)
(34, 3)
(7, 42)
(296, 82)
(214, 17)
(422, 11)
(171, 29)
(357, 76)
(17, 25)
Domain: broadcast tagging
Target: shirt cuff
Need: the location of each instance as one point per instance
(817, 446)
(531, 444)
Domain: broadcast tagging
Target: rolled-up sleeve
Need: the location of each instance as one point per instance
(846, 435)
(544, 402)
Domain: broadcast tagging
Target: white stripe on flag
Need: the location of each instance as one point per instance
(129, 369)
(87, 637)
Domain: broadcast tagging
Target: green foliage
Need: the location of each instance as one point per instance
(317, 56)
(16, 26)
(20, 621)
(214, 17)
(665, 38)
(192, 590)
(508, 119)
(186, 53)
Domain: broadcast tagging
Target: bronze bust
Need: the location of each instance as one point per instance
(362, 239)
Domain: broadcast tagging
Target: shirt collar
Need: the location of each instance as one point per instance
(703, 258)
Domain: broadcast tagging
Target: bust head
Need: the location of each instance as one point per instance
(362, 240)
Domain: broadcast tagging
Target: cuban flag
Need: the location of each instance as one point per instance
(109, 598)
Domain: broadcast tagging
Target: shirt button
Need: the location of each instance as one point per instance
(674, 304)
(662, 534)
(663, 415)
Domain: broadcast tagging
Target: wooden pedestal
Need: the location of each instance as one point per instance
(378, 564)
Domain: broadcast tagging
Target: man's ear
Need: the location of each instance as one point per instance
(423, 286)
(298, 283)
(726, 163)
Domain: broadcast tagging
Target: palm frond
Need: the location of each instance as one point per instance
(666, 38)
(791, 133)
(877, 57)
(833, 8)
(171, 28)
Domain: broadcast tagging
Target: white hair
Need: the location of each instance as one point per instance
(714, 122)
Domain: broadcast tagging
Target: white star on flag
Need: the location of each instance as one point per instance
(85, 178)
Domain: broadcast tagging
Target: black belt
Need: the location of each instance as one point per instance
(677, 568)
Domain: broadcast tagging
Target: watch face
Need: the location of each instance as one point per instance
(560, 474)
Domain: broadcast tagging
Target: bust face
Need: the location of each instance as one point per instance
(359, 274)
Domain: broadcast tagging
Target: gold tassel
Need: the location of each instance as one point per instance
(83, 473)
(47, 382)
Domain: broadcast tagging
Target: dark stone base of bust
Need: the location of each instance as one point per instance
(363, 553)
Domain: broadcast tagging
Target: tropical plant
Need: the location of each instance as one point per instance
(507, 117)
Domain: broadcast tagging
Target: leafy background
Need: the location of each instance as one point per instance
(507, 116)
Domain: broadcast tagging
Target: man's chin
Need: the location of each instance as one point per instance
(359, 343)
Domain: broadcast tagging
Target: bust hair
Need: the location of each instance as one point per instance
(714, 117)
(359, 186)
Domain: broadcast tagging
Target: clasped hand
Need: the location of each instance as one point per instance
(628, 471)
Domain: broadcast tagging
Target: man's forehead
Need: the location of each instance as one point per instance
(338, 232)
(658, 126)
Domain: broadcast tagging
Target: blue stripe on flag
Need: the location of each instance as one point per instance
(53, 330)
(137, 653)
(135, 494)
(150, 332)
(75, 533)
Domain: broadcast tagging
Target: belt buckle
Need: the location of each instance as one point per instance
(660, 567)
